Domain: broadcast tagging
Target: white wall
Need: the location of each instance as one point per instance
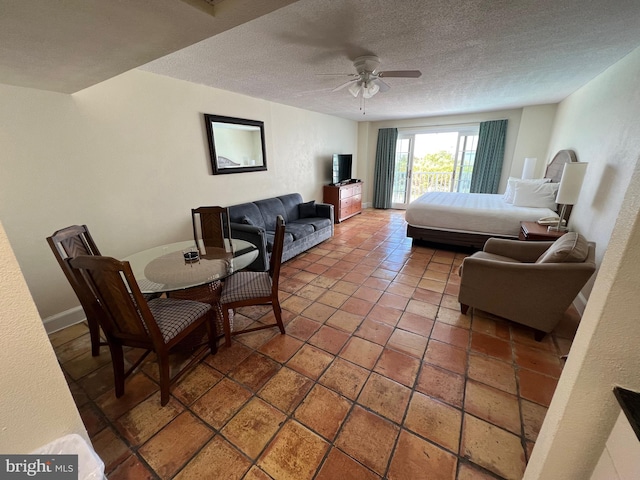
(36, 406)
(599, 122)
(528, 132)
(536, 125)
(129, 158)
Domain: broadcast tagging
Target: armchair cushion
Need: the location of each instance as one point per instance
(494, 257)
(571, 247)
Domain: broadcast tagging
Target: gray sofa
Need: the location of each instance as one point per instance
(307, 224)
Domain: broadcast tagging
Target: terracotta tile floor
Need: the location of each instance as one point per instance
(378, 376)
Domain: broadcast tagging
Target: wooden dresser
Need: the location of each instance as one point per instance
(346, 200)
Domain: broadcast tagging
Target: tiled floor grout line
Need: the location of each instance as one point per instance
(395, 256)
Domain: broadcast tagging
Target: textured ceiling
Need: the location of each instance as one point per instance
(68, 45)
(475, 55)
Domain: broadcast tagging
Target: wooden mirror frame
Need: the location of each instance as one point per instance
(234, 144)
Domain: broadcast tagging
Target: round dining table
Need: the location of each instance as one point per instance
(181, 271)
(169, 268)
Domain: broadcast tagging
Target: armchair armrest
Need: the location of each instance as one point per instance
(527, 252)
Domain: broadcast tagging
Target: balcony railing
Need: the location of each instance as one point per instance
(421, 182)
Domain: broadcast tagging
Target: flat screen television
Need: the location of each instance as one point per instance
(342, 167)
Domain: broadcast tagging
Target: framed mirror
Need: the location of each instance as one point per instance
(236, 144)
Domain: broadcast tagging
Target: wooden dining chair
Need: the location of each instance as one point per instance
(247, 288)
(70, 242)
(128, 319)
(211, 227)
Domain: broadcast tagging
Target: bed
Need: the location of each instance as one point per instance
(469, 219)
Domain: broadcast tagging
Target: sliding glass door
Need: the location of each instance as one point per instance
(433, 159)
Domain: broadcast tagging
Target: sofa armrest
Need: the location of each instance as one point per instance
(247, 229)
(527, 252)
(257, 236)
(325, 210)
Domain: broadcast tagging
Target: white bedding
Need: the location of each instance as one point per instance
(471, 213)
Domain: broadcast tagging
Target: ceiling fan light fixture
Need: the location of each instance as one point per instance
(370, 90)
(355, 89)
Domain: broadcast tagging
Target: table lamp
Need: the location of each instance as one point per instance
(529, 169)
(569, 190)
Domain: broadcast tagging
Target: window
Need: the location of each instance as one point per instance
(433, 159)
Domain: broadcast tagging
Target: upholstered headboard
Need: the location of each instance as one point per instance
(556, 166)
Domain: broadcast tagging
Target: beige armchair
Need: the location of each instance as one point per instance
(531, 283)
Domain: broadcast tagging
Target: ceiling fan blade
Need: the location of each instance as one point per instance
(400, 73)
(345, 84)
(340, 74)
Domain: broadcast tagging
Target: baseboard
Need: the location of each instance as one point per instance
(64, 319)
(367, 204)
(580, 303)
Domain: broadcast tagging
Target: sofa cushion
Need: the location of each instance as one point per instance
(270, 208)
(290, 203)
(571, 247)
(307, 209)
(299, 230)
(246, 212)
(317, 222)
(288, 239)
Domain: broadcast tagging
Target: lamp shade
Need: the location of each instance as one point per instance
(571, 183)
(529, 168)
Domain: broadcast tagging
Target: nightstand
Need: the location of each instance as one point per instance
(533, 232)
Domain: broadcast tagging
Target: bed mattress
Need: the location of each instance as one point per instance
(470, 213)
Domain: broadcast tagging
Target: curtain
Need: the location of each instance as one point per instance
(385, 165)
(487, 167)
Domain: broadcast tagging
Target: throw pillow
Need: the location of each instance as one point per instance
(308, 209)
(541, 195)
(246, 220)
(510, 192)
(571, 247)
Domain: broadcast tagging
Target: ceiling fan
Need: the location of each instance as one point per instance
(368, 79)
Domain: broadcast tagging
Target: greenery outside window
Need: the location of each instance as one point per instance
(433, 159)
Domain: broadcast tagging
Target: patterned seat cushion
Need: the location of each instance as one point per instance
(245, 285)
(173, 315)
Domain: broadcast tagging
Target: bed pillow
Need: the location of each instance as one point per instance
(510, 192)
(571, 247)
(541, 195)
